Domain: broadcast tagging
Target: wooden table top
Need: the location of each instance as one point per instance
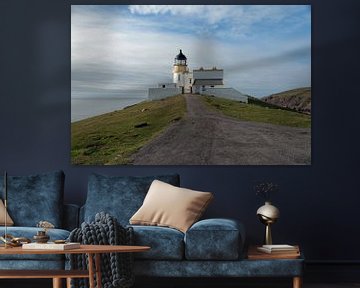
(254, 254)
(92, 249)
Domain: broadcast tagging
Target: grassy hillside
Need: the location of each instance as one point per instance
(259, 111)
(111, 138)
(296, 99)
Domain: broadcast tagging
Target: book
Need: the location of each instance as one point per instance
(51, 246)
(255, 254)
(278, 249)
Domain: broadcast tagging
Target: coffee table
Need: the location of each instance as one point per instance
(94, 267)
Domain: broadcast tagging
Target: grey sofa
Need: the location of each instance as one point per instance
(210, 248)
(32, 199)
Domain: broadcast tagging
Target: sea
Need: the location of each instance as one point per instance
(82, 108)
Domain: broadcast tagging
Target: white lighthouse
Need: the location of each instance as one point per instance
(181, 75)
(199, 81)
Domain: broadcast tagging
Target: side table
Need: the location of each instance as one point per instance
(93, 251)
(255, 255)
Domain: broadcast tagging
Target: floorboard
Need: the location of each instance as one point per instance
(46, 283)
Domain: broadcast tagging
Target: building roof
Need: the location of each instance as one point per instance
(180, 56)
(208, 82)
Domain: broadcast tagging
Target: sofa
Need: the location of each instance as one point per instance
(32, 199)
(209, 248)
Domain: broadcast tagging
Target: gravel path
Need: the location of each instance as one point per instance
(205, 136)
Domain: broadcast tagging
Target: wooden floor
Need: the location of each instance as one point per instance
(339, 285)
(45, 283)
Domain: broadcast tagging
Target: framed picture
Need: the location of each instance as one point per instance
(191, 85)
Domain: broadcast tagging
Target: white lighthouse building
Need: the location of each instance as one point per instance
(181, 75)
(200, 81)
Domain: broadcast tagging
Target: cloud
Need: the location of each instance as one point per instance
(237, 19)
(118, 48)
(212, 14)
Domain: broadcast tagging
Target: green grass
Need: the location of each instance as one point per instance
(112, 138)
(259, 111)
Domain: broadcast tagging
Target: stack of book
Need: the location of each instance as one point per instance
(279, 249)
(274, 252)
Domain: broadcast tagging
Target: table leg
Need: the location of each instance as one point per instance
(57, 283)
(297, 282)
(68, 282)
(91, 270)
(98, 270)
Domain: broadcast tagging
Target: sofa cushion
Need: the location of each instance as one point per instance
(214, 239)
(120, 196)
(35, 198)
(9, 221)
(165, 243)
(169, 206)
(29, 232)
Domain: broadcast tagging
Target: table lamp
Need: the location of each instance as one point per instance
(268, 214)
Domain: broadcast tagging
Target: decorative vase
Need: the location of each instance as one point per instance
(268, 214)
(41, 237)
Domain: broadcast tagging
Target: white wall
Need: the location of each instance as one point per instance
(208, 74)
(179, 82)
(228, 93)
(184, 81)
(167, 85)
(161, 93)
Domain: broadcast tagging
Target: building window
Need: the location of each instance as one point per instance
(163, 86)
(190, 80)
(179, 77)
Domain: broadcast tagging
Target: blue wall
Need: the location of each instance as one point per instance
(318, 202)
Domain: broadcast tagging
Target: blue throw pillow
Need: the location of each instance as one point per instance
(35, 198)
(120, 196)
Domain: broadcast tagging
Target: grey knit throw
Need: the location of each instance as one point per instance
(116, 268)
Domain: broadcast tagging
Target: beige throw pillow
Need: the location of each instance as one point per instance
(9, 221)
(170, 206)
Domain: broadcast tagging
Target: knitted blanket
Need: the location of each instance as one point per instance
(116, 268)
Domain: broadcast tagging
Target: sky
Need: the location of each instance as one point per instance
(122, 50)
